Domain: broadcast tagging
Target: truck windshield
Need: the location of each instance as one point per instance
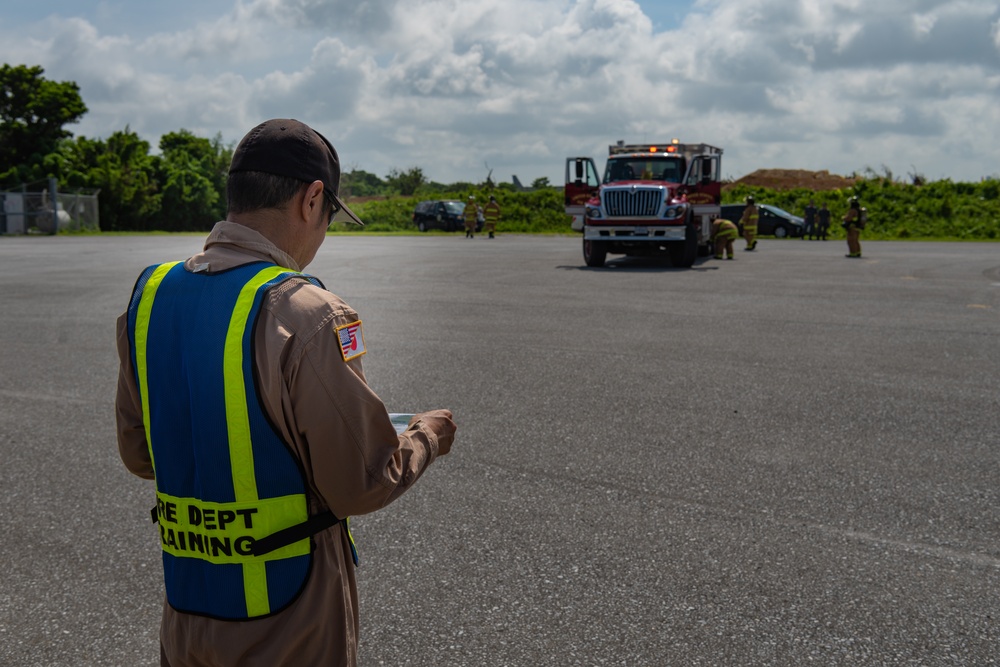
(644, 168)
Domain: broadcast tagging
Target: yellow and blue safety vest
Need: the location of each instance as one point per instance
(230, 496)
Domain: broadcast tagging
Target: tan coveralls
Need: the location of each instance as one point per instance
(352, 458)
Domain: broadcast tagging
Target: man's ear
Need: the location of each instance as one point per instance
(313, 201)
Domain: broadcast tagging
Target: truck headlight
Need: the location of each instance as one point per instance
(676, 211)
(594, 213)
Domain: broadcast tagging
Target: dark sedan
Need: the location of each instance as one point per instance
(771, 220)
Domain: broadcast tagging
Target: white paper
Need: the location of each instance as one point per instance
(400, 420)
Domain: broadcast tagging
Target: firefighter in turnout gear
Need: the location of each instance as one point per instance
(724, 233)
(470, 213)
(749, 222)
(492, 213)
(854, 222)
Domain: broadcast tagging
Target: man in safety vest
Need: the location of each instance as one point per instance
(724, 233)
(492, 214)
(749, 222)
(471, 215)
(241, 393)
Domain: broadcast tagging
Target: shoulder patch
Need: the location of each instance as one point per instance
(352, 340)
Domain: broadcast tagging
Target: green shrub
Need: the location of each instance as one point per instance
(935, 210)
(535, 212)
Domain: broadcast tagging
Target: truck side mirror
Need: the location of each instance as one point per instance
(579, 170)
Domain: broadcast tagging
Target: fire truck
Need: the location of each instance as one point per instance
(655, 198)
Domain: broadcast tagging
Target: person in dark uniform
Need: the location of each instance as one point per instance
(810, 221)
(823, 222)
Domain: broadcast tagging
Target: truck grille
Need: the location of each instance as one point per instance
(632, 202)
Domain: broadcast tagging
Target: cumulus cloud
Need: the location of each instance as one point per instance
(449, 84)
(361, 17)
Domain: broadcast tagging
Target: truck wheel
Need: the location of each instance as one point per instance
(422, 226)
(594, 253)
(684, 253)
(680, 255)
(780, 232)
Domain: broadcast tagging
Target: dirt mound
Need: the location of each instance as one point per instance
(789, 179)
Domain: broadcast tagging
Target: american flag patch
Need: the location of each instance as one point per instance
(352, 340)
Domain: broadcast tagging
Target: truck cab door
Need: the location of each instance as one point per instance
(704, 179)
(582, 183)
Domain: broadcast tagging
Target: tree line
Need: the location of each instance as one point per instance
(926, 210)
(182, 186)
(179, 188)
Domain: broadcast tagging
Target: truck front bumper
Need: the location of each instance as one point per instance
(637, 233)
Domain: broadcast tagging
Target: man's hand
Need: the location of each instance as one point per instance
(440, 422)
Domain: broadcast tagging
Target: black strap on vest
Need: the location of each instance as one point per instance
(286, 536)
(293, 534)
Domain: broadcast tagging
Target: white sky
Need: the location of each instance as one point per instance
(453, 85)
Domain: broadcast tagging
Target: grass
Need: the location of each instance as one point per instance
(937, 211)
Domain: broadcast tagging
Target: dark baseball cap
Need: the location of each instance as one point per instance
(286, 147)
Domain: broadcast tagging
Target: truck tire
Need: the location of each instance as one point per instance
(594, 253)
(422, 226)
(684, 253)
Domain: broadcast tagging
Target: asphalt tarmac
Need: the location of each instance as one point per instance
(792, 458)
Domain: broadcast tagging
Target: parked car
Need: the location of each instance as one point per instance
(443, 214)
(771, 220)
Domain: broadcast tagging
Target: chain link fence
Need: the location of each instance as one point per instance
(48, 211)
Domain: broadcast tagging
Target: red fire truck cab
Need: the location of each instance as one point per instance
(653, 199)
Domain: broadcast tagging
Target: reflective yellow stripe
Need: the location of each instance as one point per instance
(350, 538)
(237, 419)
(223, 533)
(255, 589)
(238, 425)
(141, 338)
